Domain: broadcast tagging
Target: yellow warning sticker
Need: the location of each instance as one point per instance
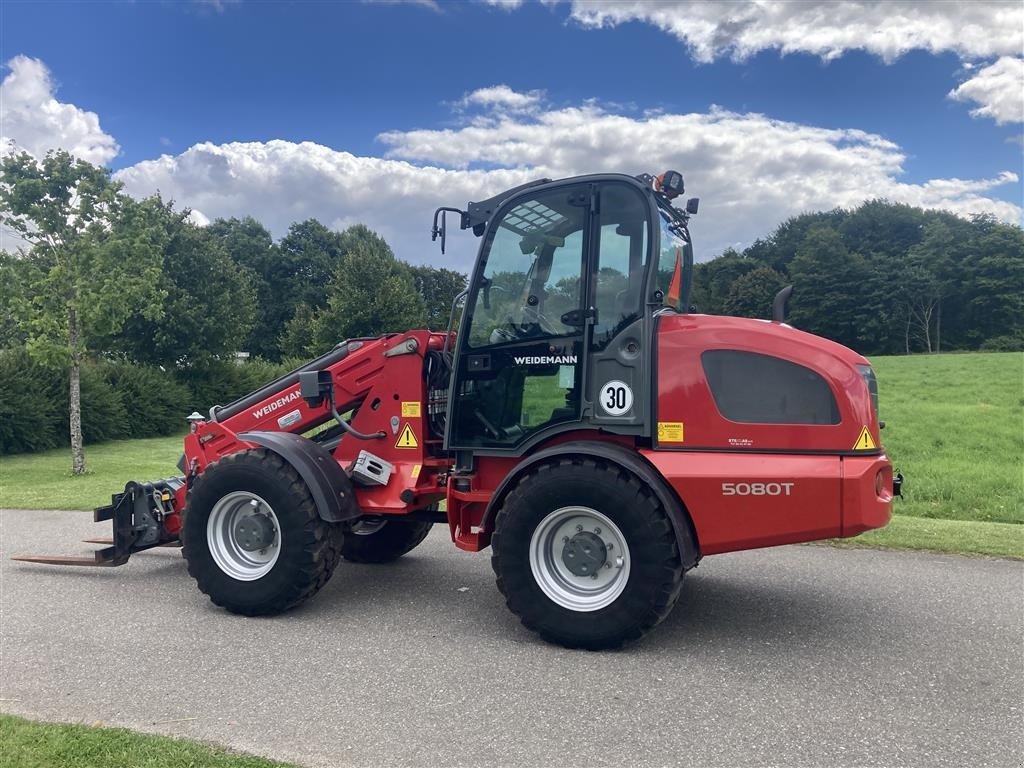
(411, 410)
(670, 432)
(416, 470)
(407, 438)
(865, 441)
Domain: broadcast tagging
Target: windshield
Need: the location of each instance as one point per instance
(675, 259)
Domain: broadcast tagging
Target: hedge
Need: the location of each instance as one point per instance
(119, 400)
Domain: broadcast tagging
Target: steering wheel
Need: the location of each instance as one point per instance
(534, 316)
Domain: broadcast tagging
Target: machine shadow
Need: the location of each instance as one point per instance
(728, 605)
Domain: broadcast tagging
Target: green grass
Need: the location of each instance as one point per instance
(960, 536)
(955, 427)
(44, 745)
(44, 480)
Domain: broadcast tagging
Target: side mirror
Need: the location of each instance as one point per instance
(443, 229)
(691, 205)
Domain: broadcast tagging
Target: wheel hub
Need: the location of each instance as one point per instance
(579, 558)
(254, 532)
(244, 535)
(584, 553)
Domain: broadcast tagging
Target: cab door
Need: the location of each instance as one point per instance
(521, 351)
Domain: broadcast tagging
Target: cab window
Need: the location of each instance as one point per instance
(621, 262)
(532, 276)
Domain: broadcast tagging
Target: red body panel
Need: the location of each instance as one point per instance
(684, 396)
(750, 485)
(804, 503)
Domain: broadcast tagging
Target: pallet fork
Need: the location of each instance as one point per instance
(139, 515)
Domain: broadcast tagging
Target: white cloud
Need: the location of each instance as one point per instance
(33, 120)
(430, 5)
(886, 28)
(501, 98)
(750, 171)
(998, 88)
(280, 182)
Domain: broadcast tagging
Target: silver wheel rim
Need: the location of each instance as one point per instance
(227, 551)
(590, 592)
(368, 525)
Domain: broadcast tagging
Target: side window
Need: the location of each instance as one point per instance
(621, 262)
(761, 389)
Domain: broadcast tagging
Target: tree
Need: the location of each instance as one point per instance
(371, 293)
(780, 248)
(209, 304)
(14, 303)
(827, 279)
(437, 288)
(713, 279)
(988, 284)
(881, 227)
(92, 262)
(751, 295)
(250, 245)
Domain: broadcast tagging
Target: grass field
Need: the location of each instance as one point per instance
(955, 427)
(44, 480)
(45, 745)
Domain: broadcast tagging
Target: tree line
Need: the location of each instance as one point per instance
(882, 278)
(104, 282)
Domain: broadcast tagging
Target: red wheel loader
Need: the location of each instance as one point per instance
(582, 421)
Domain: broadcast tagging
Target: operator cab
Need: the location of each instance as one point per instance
(558, 326)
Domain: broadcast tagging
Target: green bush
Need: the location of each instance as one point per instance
(104, 416)
(1010, 343)
(119, 400)
(154, 403)
(32, 413)
(219, 382)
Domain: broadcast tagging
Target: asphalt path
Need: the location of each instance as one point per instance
(794, 656)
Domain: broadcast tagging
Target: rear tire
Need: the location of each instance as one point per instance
(382, 541)
(585, 554)
(255, 496)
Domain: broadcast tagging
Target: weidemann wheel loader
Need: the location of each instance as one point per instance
(598, 435)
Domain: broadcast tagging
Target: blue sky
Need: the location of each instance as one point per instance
(413, 105)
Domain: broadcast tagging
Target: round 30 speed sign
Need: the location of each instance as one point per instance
(616, 398)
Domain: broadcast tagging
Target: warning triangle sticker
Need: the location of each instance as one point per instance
(864, 442)
(407, 439)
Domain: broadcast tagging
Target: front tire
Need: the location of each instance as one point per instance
(585, 554)
(252, 537)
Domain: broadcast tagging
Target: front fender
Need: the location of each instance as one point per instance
(331, 487)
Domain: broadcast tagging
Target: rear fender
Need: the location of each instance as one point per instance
(689, 549)
(327, 482)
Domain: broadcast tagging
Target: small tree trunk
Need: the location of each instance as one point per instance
(75, 391)
(938, 327)
(906, 334)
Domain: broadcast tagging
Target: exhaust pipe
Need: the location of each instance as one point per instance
(779, 304)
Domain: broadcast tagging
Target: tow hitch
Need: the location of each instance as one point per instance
(143, 517)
